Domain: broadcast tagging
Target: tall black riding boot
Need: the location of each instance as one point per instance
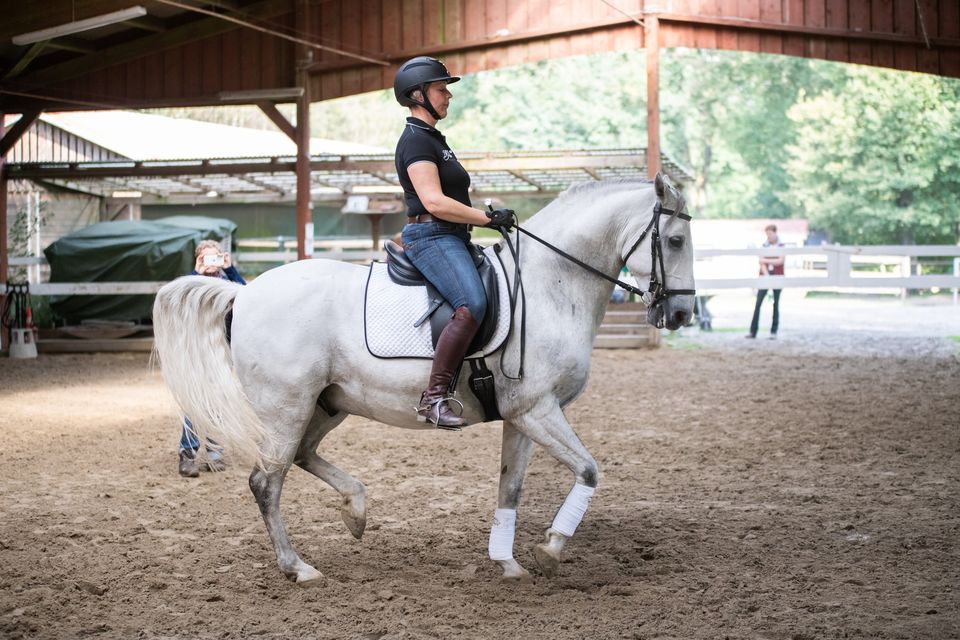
(451, 348)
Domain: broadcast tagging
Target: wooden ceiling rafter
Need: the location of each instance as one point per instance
(72, 44)
(199, 29)
(26, 59)
(149, 23)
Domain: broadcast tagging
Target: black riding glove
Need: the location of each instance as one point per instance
(502, 219)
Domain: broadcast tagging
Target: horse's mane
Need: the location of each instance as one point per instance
(612, 184)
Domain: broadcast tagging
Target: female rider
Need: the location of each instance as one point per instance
(435, 238)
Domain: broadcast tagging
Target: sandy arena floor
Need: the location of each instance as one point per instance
(798, 489)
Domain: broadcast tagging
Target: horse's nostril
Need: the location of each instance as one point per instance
(680, 317)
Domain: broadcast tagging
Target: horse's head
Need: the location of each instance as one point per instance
(669, 262)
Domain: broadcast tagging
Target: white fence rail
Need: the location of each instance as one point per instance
(829, 267)
(821, 267)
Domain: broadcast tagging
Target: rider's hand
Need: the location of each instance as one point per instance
(502, 219)
(227, 263)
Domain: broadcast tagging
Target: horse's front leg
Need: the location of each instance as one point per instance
(547, 426)
(514, 457)
(353, 503)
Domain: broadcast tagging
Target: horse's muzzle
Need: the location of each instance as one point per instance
(677, 319)
(670, 314)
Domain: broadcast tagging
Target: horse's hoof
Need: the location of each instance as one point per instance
(513, 572)
(354, 514)
(547, 554)
(308, 577)
(548, 562)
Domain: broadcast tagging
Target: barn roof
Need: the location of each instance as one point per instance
(142, 136)
(171, 160)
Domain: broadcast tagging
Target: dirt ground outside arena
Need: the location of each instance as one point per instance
(791, 489)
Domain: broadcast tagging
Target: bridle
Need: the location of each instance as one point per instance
(657, 291)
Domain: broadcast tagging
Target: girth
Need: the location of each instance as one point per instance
(439, 312)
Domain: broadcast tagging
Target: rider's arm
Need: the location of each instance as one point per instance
(426, 182)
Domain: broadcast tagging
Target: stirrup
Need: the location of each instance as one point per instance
(429, 409)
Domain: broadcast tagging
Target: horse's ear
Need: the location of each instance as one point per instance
(658, 185)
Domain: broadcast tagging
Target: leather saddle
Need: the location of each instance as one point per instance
(439, 312)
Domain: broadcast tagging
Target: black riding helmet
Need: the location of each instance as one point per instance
(415, 74)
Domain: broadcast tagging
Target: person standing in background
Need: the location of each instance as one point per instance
(769, 266)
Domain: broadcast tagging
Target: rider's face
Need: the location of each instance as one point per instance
(439, 97)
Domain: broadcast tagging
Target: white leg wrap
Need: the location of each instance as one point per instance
(571, 513)
(501, 534)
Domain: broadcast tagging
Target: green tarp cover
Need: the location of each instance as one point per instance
(126, 251)
(213, 228)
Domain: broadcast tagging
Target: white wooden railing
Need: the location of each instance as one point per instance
(828, 267)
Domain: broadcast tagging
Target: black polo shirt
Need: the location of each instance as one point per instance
(420, 142)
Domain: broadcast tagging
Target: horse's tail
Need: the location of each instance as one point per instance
(190, 341)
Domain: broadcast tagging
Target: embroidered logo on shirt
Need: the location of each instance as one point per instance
(448, 155)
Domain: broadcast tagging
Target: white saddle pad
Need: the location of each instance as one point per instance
(391, 309)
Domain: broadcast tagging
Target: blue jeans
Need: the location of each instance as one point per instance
(189, 442)
(439, 250)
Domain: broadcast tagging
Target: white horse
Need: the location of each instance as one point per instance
(297, 350)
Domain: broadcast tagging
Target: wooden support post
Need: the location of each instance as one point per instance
(652, 44)
(304, 205)
(375, 230)
(4, 258)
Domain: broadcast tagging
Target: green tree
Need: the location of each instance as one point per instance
(725, 117)
(587, 102)
(878, 160)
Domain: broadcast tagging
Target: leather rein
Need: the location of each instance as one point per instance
(656, 293)
(658, 286)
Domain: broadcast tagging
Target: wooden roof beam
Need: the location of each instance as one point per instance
(26, 59)
(532, 183)
(230, 5)
(797, 29)
(266, 186)
(148, 23)
(16, 131)
(76, 45)
(133, 49)
(610, 23)
(270, 110)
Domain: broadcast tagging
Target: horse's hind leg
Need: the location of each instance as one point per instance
(514, 457)
(266, 485)
(353, 508)
(547, 426)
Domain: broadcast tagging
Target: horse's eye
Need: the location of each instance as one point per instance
(676, 241)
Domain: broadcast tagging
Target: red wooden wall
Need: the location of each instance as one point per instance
(473, 35)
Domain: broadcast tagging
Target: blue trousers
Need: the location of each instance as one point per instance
(439, 250)
(189, 442)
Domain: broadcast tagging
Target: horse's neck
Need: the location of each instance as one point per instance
(593, 231)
